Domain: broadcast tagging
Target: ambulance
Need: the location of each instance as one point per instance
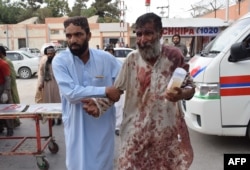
(221, 72)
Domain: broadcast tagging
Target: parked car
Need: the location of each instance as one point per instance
(25, 64)
(122, 52)
(58, 50)
(6, 48)
(34, 51)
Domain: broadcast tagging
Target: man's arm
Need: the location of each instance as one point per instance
(97, 106)
(40, 75)
(185, 51)
(68, 82)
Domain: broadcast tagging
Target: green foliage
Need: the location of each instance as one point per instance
(25, 14)
(107, 10)
(13, 12)
(31, 4)
(44, 13)
(17, 11)
(58, 7)
(78, 7)
(9, 13)
(88, 12)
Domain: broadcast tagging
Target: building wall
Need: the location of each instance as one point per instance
(33, 33)
(235, 11)
(34, 37)
(53, 31)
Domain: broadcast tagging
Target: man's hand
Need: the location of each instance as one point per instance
(4, 98)
(40, 87)
(113, 93)
(179, 94)
(90, 107)
(174, 95)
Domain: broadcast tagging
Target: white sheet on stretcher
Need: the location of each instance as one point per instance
(44, 108)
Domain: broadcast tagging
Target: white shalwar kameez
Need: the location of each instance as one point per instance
(89, 141)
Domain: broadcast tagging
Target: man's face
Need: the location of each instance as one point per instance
(50, 55)
(176, 40)
(148, 41)
(77, 39)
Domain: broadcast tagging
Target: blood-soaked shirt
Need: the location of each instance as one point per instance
(154, 135)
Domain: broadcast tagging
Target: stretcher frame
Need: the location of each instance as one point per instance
(37, 112)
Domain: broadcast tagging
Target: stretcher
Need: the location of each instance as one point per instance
(40, 113)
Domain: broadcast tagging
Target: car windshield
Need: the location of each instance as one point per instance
(29, 55)
(227, 37)
(122, 52)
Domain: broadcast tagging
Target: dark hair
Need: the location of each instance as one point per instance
(110, 48)
(78, 21)
(176, 35)
(2, 50)
(47, 48)
(149, 18)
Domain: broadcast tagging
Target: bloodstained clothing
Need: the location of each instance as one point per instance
(153, 133)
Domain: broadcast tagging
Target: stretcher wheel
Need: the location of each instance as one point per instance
(53, 147)
(42, 163)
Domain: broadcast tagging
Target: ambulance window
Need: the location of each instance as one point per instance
(227, 37)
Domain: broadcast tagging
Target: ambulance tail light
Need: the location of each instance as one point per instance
(207, 90)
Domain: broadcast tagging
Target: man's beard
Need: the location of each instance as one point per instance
(50, 59)
(150, 51)
(80, 50)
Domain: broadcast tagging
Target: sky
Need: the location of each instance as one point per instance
(135, 8)
(177, 8)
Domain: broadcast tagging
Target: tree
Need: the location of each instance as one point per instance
(9, 12)
(17, 11)
(89, 12)
(28, 8)
(44, 13)
(106, 10)
(78, 7)
(58, 7)
(13, 12)
(31, 4)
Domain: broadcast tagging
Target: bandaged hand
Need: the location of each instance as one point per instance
(4, 97)
(91, 107)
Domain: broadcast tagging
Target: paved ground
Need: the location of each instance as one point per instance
(28, 162)
(208, 149)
